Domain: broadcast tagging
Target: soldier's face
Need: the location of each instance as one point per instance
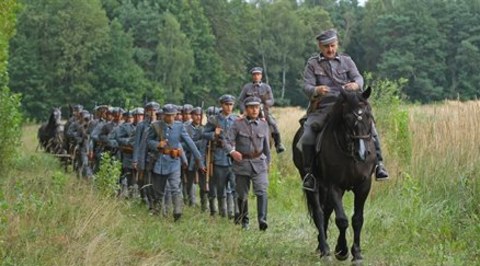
(186, 116)
(252, 110)
(139, 118)
(329, 51)
(168, 118)
(197, 119)
(256, 77)
(179, 117)
(227, 108)
(129, 119)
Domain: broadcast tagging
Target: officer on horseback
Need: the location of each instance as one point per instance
(323, 75)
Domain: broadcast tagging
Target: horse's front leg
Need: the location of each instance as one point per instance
(341, 220)
(317, 215)
(361, 194)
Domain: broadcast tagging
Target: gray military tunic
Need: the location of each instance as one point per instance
(251, 139)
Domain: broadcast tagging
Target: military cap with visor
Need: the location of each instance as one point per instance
(227, 98)
(152, 105)
(78, 107)
(256, 70)
(138, 111)
(252, 100)
(169, 109)
(327, 37)
(197, 111)
(187, 108)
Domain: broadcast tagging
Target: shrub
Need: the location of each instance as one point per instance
(106, 180)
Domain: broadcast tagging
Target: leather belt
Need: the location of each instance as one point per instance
(253, 155)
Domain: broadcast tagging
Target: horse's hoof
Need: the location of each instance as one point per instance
(341, 256)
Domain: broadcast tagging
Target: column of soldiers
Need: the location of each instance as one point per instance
(168, 154)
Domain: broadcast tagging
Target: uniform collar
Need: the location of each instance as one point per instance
(322, 58)
(251, 120)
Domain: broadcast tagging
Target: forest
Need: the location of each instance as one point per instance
(127, 52)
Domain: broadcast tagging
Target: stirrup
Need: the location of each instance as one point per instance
(308, 187)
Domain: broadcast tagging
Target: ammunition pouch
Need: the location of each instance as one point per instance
(174, 153)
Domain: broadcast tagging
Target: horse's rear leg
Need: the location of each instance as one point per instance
(318, 218)
(341, 220)
(361, 195)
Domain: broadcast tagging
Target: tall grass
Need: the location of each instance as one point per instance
(427, 214)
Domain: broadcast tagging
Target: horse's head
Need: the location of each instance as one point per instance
(56, 115)
(357, 118)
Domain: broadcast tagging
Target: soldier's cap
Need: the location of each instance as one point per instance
(212, 110)
(138, 111)
(256, 70)
(78, 107)
(159, 112)
(85, 114)
(152, 106)
(252, 100)
(187, 108)
(197, 111)
(179, 109)
(327, 37)
(101, 107)
(127, 114)
(117, 110)
(226, 98)
(170, 109)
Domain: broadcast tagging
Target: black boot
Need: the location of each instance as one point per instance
(309, 182)
(230, 206)
(203, 200)
(212, 206)
(243, 214)
(222, 207)
(381, 173)
(262, 204)
(177, 207)
(278, 142)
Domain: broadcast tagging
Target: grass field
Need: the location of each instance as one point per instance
(427, 214)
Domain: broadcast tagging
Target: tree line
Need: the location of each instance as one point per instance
(126, 52)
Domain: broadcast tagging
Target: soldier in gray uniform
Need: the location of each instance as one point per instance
(248, 145)
(215, 132)
(193, 174)
(96, 146)
(79, 131)
(164, 138)
(325, 74)
(264, 92)
(142, 162)
(188, 190)
(125, 138)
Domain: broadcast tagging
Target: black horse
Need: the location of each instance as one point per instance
(345, 161)
(50, 134)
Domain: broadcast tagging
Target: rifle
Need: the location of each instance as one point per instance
(209, 165)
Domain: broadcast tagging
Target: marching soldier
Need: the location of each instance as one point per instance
(141, 161)
(79, 131)
(248, 145)
(264, 92)
(193, 174)
(216, 131)
(188, 189)
(125, 137)
(164, 138)
(97, 146)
